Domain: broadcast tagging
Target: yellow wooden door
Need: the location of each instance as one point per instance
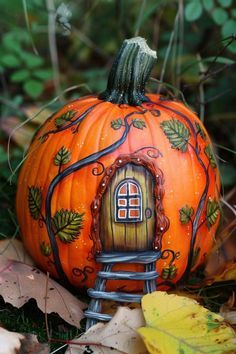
(127, 217)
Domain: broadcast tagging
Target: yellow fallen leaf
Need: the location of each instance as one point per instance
(179, 325)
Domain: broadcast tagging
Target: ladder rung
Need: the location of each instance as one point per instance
(116, 296)
(97, 316)
(129, 257)
(128, 275)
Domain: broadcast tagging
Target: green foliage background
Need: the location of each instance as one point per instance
(48, 46)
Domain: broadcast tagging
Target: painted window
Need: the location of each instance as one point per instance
(128, 201)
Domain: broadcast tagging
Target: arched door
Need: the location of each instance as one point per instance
(127, 215)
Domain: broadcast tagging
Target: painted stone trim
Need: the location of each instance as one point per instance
(162, 222)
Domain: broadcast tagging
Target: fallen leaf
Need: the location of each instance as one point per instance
(23, 133)
(20, 282)
(118, 336)
(10, 342)
(30, 345)
(14, 249)
(228, 310)
(179, 325)
(226, 273)
(223, 252)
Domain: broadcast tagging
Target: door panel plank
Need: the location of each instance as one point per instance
(128, 236)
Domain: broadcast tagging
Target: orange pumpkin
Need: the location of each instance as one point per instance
(123, 171)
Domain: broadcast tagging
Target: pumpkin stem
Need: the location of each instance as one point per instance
(129, 73)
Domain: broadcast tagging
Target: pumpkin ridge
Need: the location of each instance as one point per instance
(76, 166)
(203, 197)
(77, 120)
(33, 183)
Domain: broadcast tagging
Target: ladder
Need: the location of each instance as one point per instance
(108, 260)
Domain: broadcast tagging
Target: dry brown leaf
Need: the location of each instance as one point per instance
(22, 136)
(20, 282)
(226, 273)
(228, 310)
(10, 342)
(223, 252)
(30, 345)
(119, 336)
(14, 249)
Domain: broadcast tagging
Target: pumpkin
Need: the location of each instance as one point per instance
(123, 171)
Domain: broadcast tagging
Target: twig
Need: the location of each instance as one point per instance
(201, 90)
(216, 96)
(140, 15)
(232, 38)
(181, 43)
(213, 73)
(225, 148)
(12, 105)
(30, 119)
(53, 47)
(28, 26)
(45, 307)
(86, 40)
(168, 50)
(229, 206)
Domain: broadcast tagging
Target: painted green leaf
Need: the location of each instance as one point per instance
(169, 272)
(62, 157)
(212, 212)
(67, 225)
(200, 131)
(185, 214)
(35, 202)
(209, 153)
(116, 124)
(65, 117)
(138, 123)
(45, 249)
(177, 134)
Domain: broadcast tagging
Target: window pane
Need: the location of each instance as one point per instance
(123, 189)
(134, 213)
(122, 213)
(133, 189)
(122, 202)
(134, 201)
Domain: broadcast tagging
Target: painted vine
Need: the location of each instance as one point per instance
(179, 135)
(65, 225)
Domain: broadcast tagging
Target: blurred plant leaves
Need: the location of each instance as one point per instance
(193, 10)
(10, 61)
(33, 88)
(20, 75)
(225, 3)
(208, 4)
